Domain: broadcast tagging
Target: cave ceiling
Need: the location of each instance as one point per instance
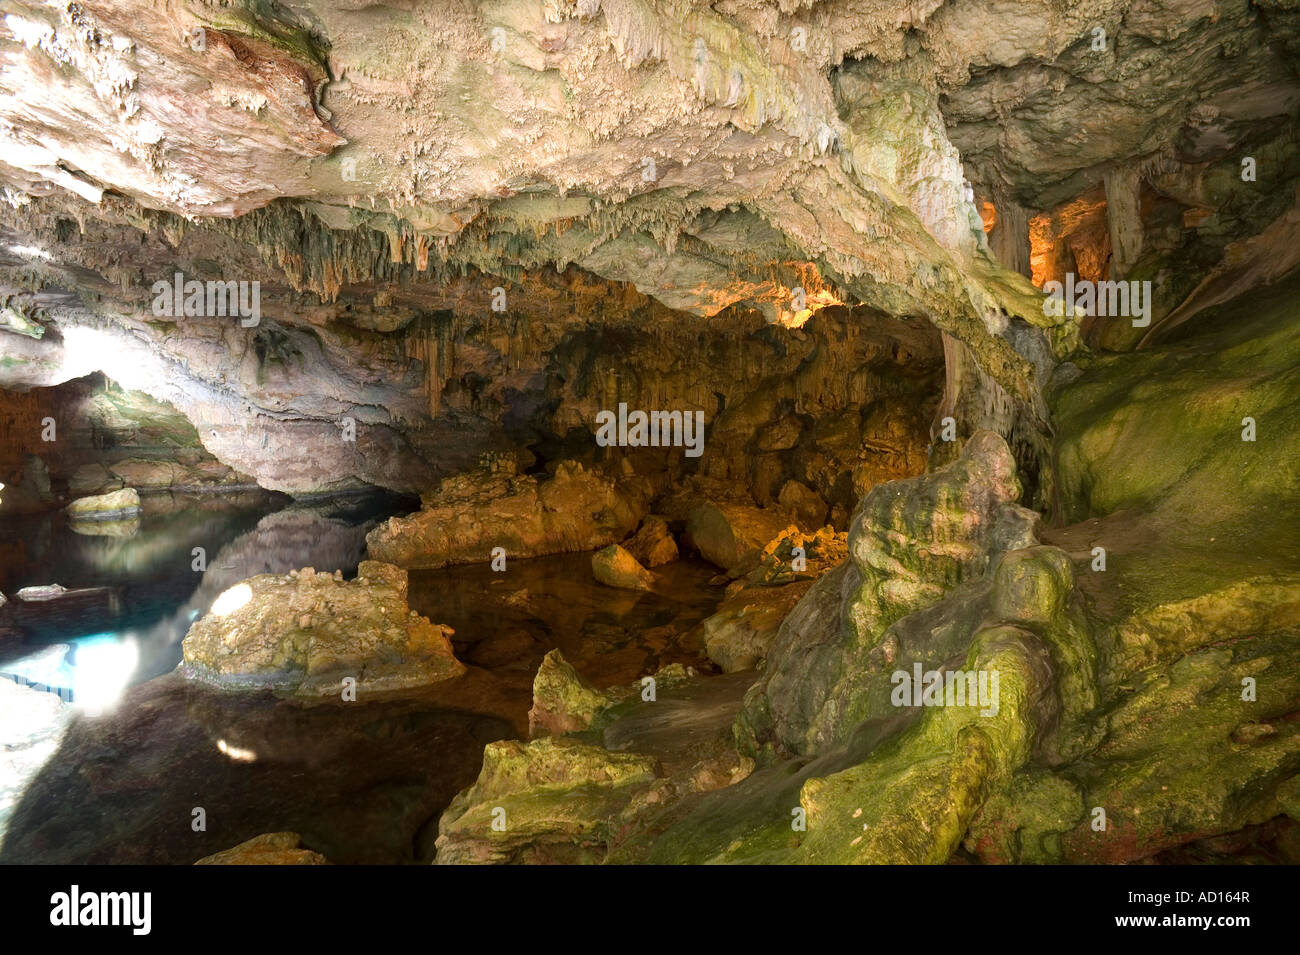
(371, 162)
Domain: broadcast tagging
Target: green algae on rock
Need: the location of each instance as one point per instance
(563, 702)
(911, 541)
(550, 800)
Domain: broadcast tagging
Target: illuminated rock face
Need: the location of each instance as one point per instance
(113, 506)
(573, 511)
(316, 636)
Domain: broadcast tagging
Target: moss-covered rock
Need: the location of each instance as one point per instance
(1162, 429)
(912, 800)
(563, 702)
(1190, 751)
(550, 800)
(1192, 587)
(911, 542)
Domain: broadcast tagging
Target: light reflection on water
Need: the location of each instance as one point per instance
(133, 598)
(360, 783)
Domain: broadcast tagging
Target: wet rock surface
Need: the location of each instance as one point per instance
(316, 635)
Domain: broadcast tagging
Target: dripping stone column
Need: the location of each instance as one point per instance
(1124, 216)
(1009, 238)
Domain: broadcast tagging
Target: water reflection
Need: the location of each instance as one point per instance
(359, 783)
(131, 599)
(506, 622)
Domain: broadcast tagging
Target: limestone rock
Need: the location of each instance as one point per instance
(725, 533)
(1184, 755)
(575, 510)
(272, 848)
(793, 555)
(563, 702)
(738, 635)
(911, 542)
(549, 800)
(653, 544)
(32, 723)
(93, 479)
(940, 769)
(361, 629)
(114, 506)
(807, 506)
(615, 567)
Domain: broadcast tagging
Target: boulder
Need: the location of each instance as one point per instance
(272, 848)
(306, 632)
(615, 567)
(807, 506)
(653, 544)
(738, 635)
(114, 506)
(576, 510)
(563, 702)
(725, 533)
(143, 472)
(546, 801)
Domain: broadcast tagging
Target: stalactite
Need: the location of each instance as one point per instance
(426, 341)
(1124, 218)
(1009, 240)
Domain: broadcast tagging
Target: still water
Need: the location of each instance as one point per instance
(133, 597)
(118, 774)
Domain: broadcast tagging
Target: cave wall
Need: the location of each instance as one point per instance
(102, 438)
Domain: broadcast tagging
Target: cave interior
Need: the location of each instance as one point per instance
(644, 431)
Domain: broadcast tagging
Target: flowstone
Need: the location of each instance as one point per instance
(911, 542)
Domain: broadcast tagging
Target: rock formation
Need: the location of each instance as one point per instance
(985, 312)
(316, 635)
